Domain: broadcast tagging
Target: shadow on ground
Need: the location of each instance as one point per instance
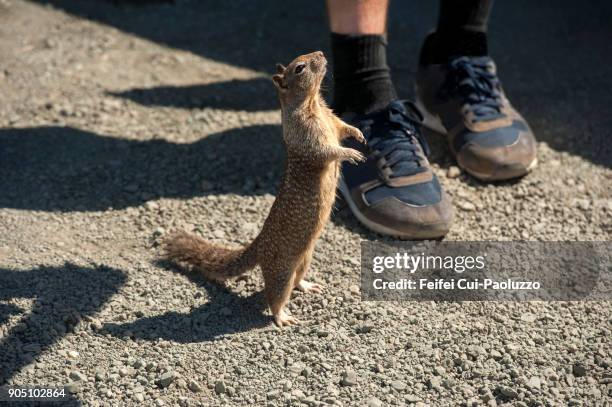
(251, 95)
(62, 296)
(558, 77)
(67, 169)
(225, 313)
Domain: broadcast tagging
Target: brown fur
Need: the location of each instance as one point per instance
(284, 247)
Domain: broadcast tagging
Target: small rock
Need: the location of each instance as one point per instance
(272, 395)
(78, 376)
(167, 378)
(298, 394)
(322, 333)
(194, 386)
(126, 371)
(534, 383)
(434, 382)
(412, 398)
(507, 392)
(287, 385)
(220, 387)
(466, 206)
(579, 370)
(398, 385)
(364, 328)
(583, 204)
(440, 371)
(73, 387)
(296, 368)
(151, 205)
(139, 397)
(72, 354)
(96, 325)
(306, 372)
(453, 172)
(349, 378)
(374, 402)
(528, 317)
(100, 375)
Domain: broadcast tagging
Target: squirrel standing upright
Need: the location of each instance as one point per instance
(283, 249)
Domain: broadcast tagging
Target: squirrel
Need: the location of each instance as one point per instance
(284, 247)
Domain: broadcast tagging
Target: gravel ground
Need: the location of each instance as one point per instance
(118, 123)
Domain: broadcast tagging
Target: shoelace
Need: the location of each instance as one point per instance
(478, 87)
(390, 135)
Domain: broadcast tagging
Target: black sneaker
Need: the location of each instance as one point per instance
(464, 99)
(394, 192)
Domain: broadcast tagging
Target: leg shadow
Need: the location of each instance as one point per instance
(252, 95)
(225, 313)
(63, 296)
(67, 169)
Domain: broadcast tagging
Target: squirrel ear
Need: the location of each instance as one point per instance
(279, 82)
(280, 68)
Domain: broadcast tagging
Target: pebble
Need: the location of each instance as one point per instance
(453, 172)
(398, 385)
(534, 383)
(364, 328)
(194, 386)
(167, 378)
(220, 387)
(374, 402)
(579, 370)
(528, 317)
(440, 371)
(508, 392)
(466, 206)
(73, 387)
(77, 376)
(349, 378)
(72, 354)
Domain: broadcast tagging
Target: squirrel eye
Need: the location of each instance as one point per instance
(300, 68)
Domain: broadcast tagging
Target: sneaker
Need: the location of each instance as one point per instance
(394, 192)
(464, 100)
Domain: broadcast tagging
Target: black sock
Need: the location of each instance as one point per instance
(362, 81)
(462, 30)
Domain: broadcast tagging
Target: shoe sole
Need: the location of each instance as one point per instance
(433, 123)
(421, 232)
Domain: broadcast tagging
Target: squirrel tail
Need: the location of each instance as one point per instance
(214, 261)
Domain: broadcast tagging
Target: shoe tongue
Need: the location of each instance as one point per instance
(402, 110)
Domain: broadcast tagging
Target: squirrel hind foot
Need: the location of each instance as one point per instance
(283, 319)
(308, 287)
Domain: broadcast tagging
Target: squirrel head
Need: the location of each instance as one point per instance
(301, 79)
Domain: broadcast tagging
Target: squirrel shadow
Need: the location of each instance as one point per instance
(225, 313)
(67, 169)
(62, 297)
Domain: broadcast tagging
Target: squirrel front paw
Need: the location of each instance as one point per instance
(353, 156)
(355, 133)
